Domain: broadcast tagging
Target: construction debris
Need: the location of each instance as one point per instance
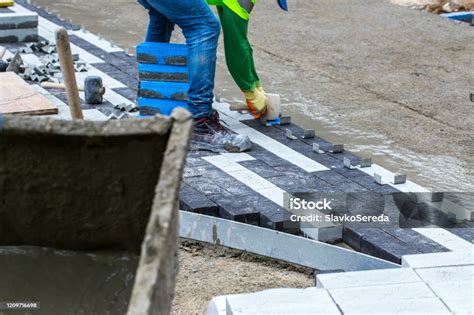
(126, 107)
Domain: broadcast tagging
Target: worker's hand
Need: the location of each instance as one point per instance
(256, 101)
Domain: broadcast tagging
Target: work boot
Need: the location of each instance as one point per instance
(209, 134)
(256, 101)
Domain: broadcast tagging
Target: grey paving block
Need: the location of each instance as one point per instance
(367, 181)
(265, 156)
(10, 21)
(204, 185)
(466, 233)
(128, 93)
(416, 240)
(352, 236)
(193, 201)
(233, 208)
(19, 35)
(300, 183)
(261, 168)
(380, 244)
(340, 169)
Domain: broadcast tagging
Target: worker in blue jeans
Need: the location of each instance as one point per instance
(201, 29)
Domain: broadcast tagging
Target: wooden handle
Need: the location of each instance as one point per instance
(238, 106)
(54, 85)
(3, 50)
(69, 75)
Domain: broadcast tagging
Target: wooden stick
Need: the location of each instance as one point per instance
(238, 106)
(54, 85)
(69, 75)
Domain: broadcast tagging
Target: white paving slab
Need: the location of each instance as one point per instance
(238, 157)
(366, 278)
(446, 274)
(415, 306)
(272, 192)
(94, 39)
(457, 258)
(94, 114)
(457, 295)
(275, 194)
(445, 238)
(387, 177)
(107, 80)
(224, 163)
(392, 292)
(266, 142)
(217, 306)
(282, 301)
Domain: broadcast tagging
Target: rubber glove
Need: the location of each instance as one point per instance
(256, 101)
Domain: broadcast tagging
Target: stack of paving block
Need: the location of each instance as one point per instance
(163, 75)
(18, 27)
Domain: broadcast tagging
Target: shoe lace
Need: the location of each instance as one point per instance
(214, 122)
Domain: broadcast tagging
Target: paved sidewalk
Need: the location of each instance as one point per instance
(439, 283)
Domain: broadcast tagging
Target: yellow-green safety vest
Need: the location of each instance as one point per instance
(235, 6)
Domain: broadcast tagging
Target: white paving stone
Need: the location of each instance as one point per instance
(224, 163)
(284, 152)
(457, 295)
(275, 194)
(238, 157)
(392, 292)
(413, 306)
(445, 238)
(253, 180)
(94, 115)
(457, 258)
(366, 278)
(282, 301)
(446, 274)
(217, 306)
(94, 39)
(387, 177)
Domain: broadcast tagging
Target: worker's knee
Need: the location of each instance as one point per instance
(214, 28)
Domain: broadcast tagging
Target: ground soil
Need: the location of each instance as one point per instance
(206, 271)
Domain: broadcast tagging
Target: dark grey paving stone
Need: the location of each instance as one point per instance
(416, 240)
(368, 182)
(205, 185)
(267, 157)
(331, 177)
(193, 201)
(347, 172)
(128, 93)
(234, 208)
(466, 233)
(261, 168)
(350, 187)
(380, 244)
(295, 183)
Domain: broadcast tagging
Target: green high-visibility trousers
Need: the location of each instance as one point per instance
(238, 51)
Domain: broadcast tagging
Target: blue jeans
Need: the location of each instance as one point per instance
(201, 29)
